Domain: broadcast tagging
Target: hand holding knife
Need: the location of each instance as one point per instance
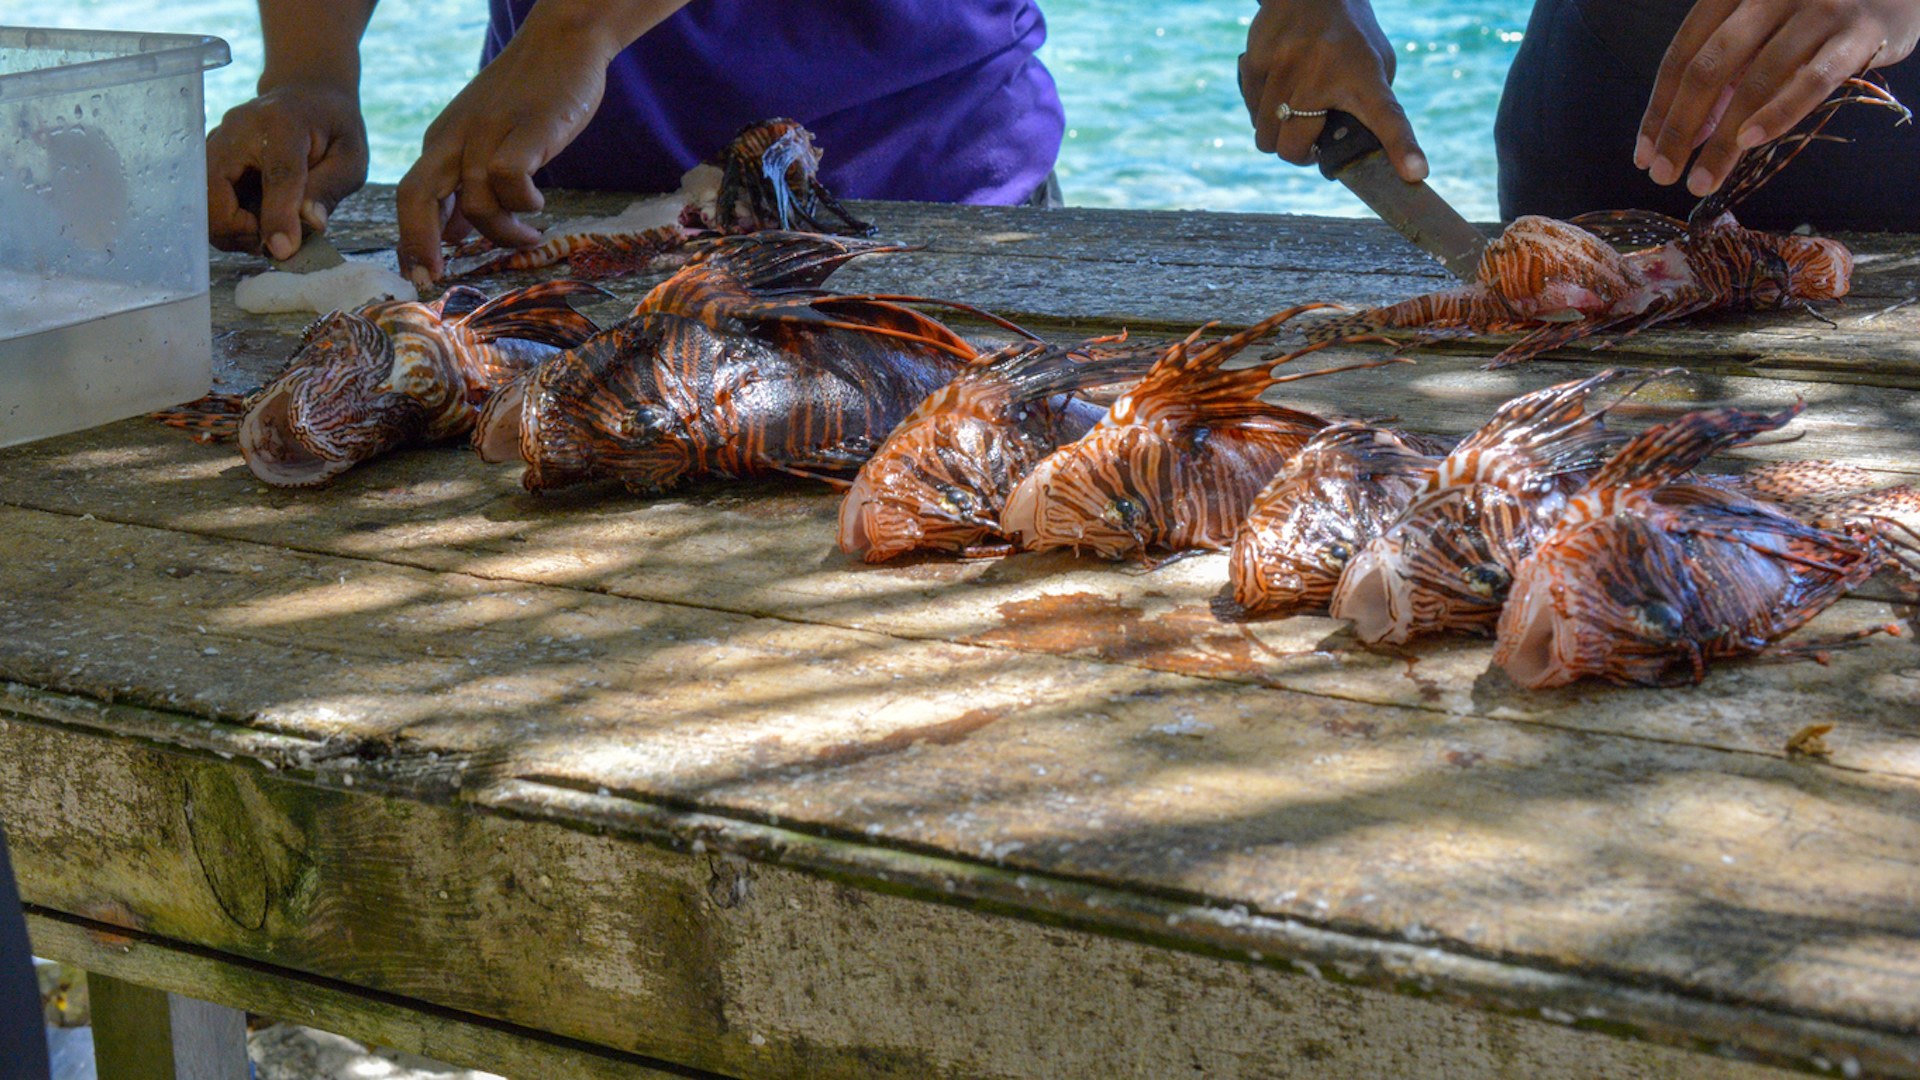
(1351, 154)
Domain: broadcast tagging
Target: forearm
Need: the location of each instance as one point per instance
(598, 29)
(313, 42)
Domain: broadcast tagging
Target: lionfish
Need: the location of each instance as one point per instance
(738, 365)
(940, 480)
(1176, 461)
(1343, 488)
(1560, 281)
(1447, 560)
(766, 178)
(387, 375)
(1649, 573)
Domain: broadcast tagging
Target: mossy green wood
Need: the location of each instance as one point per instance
(500, 942)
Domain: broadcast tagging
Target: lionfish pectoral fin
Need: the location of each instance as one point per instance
(1761, 163)
(1545, 339)
(210, 419)
(840, 482)
(954, 305)
(789, 260)
(542, 313)
(1631, 227)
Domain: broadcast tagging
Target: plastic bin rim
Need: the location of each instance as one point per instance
(148, 56)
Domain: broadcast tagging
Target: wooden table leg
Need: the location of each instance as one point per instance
(145, 1034)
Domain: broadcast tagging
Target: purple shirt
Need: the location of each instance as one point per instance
(934, 100)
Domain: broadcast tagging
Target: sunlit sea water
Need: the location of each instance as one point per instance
(1153, 114)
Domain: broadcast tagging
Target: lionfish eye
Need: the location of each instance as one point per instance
(641, 421)
(1485, 579)
(1656, 620)
(1336, 554)
(1122, 512)
(956, 500)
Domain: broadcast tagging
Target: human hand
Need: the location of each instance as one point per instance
(306, 146)
(1743, 72)
(1323, 54)
(478, 158)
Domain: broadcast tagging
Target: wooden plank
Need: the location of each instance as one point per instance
(1099, 270)
(408, 1025)
(132, 1031)
(382, 912)
(1635, 861)
(768, 550)
(142, 1033)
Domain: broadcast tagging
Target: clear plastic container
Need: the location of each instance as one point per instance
(103, 226)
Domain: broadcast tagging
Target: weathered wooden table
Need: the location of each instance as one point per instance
(597, 785)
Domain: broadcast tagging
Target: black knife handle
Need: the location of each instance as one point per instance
(1342, 141)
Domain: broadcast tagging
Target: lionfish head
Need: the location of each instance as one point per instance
(1609, 601)
(331, 408)
(1818, 268)
(1432, 572)
(1087, 496)
(904, 502)
(589, 413)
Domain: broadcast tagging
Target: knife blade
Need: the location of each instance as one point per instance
(316, 252)
(1351, 154)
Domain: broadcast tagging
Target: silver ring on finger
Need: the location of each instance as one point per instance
(1287, 112)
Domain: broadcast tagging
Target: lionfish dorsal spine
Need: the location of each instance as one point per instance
(1666, 452)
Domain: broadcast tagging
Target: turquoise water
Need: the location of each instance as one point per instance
(1153, 114)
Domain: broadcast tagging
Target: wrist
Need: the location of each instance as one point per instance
(334, 78)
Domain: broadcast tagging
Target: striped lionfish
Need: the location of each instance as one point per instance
(1557, 282)
(1446, 561)
(766, 178)
(391, 374)
(738, 365)
(1344, 487)
(941, 479)
(1176, 461)
(1650, 573)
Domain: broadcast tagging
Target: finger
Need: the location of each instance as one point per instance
(1293, 137)
(417, 208)
(1785, 61)
(229, 227)
(339, 173)
(479, 203)
(1699, 25)
(1388, 121)
(1832, 65)
(457, 228)
(283, 187)
(1715, 67)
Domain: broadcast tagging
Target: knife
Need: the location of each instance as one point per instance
(316, 252)
(1351, 154)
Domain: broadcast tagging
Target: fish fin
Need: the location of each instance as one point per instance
(210, 419)
(1762, 162)
(1035, 372)
(542, 313)
(1376, 450)
(1189, 382)
(778, 259)
(1665, 452)
(1638, 228)
(460, 301)
(1546, 432)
